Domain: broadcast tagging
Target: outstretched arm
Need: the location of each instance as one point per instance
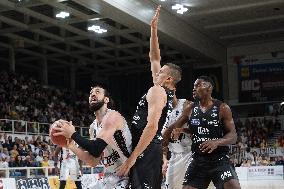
(156, 98)
(178, 124)
(154, 54)
(110, 123)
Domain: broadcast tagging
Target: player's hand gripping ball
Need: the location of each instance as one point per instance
(60, 140)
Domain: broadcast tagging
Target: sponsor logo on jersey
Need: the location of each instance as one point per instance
(226, 174)
(213, 122)
(214, 115)
(195, 122)
(203, 131)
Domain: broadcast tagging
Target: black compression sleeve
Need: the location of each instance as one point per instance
(94, 147)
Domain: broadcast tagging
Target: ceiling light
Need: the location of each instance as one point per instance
(94, 19)
(96, 29)
(163, 0)
(179, 8)
(182, 10)
(62, 14)
(282, 103)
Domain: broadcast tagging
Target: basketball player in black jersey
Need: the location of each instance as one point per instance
(212, 127)
(145, 162)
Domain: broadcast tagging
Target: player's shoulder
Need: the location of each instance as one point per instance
(224, 106)
(157, 88)
(156, 91)
(225, 109)
(113, 114)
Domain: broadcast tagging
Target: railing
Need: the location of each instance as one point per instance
(279, 118)
(31, 128)
(238, 153)
(42, 171)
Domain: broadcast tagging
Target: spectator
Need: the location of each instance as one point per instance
(39, 158)
(3, 164)
(2, 140)
(263, 144)
(246, 163)
(14, 152)
(264, 161)
(28, 162)
(12, 162)
(19, 161)
(279, 160)
(6, 153)
(22, 151)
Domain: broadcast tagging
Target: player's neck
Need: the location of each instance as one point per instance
(170, 87)
(206, 102)
(100, 114)
(175, 101)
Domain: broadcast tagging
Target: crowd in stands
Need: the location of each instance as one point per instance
(24, 98)
(253, 159)
(28, 152)
(255, 133)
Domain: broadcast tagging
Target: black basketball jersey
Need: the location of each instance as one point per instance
(206, 126)
(139, 120)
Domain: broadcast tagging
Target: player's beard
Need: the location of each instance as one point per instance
(96, 106)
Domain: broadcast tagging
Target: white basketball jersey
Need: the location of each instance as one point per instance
(67, 154)
(118, 150)
(183, 144)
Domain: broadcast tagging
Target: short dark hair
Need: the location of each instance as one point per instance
(175, 72)
(111, 103)
(207, 79)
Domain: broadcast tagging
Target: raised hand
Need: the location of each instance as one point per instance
(155, 19)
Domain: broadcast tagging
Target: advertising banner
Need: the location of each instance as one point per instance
(88, 181)
(32, 183)
(242, 173)
(265, 173)
(259, 82)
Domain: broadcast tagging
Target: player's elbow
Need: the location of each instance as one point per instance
(152, 126)
(234, 138)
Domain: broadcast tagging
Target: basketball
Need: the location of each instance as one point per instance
(58, 140)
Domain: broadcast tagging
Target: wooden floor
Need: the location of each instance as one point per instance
(259, 184)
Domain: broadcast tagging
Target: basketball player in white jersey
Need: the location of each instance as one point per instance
(111, 144)
(69, 165)
(179, 148)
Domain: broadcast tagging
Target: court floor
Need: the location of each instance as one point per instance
(259, 184)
